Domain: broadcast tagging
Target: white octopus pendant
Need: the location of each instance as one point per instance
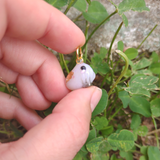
(81, 76)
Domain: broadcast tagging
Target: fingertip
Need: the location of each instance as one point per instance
(62, 34)
(96, 96)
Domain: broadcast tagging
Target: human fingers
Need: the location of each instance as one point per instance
(12, 107)
(31, 20)
(21, 58)
(61, 134)
(41, 25)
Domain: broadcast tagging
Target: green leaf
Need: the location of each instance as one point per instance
(102, 103)
(155, 107)
(93, 145)
(84, 150)
(136, 121)
(138, 91)
(98, 65)
(126, 155)
(103, 52)
(99, 156)
(155, 68)
(125, 20)
(72, 2)
(146, 82)
(140, 105)
(125, 98)
(135, 135)
(142, 84)
(88, 1)
(81, 155)
(96, 13)
(143, 158)
(81, 5)
(131, 53)
(130, 63)
(52, 2)
(142, 130)
(154, 57)
(105, 146)
(143, 80)
(128, 73)
(50, 109)
(57, 3)
(144, 149)
(123, 141)
(92, 135)
(135, 5)
(153, 153)
(2, 89)
(144, 62)
(78, 157)
(100, 123)
(144, 71)
(120, 46)
(97, 62)
(17, 133)
(107, 131)
(113, 157)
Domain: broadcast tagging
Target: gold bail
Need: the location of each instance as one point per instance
(79, 53)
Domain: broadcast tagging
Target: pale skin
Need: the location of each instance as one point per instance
(40, 81)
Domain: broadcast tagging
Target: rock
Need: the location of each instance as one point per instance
(139, 25)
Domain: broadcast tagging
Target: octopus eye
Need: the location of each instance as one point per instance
(83, 68)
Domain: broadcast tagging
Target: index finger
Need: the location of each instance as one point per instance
(31, 20)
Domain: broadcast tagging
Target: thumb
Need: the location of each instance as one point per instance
(61, 134)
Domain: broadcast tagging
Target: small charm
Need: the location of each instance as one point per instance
(82, 74)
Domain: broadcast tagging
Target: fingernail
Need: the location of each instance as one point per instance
(96, 96)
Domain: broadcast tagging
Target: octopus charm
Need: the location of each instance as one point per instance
(81, 76)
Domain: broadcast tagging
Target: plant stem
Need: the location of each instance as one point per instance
(60, 59)
(113, 105)
(134, 151)
(137, 145)
(4, 132)
(154, 96)
(159, 81)
(112, 74)
(76, 19)
(155, 125)
(69, 6)
(115, 113)
(63, 61)
(115, 35)
(152, 132)
(88, 1)
(99, 26)
(118, 91)
(6, 85)
(109, 52)
(125, 79)
(112, 3)
(65, 12)
(147, 36)
(104, 80)
(123, 72)
(86, 47)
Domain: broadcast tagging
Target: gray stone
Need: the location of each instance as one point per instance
(140, 24)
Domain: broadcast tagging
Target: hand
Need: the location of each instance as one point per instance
(40, 80)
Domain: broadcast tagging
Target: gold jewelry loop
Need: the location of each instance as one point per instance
(79, 55)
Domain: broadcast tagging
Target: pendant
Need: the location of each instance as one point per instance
(81, 76)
